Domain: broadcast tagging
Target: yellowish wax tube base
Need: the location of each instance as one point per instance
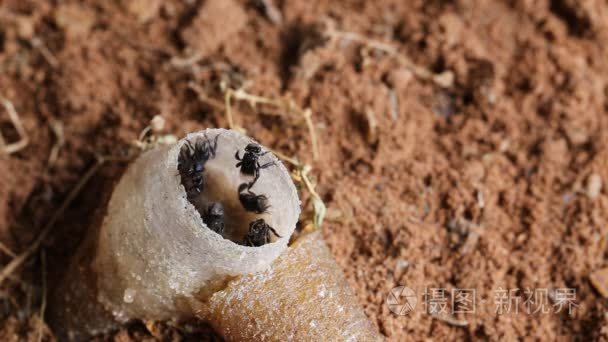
(302, 297)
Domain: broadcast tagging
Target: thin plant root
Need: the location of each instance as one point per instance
(16, 121)
(313, 133)
(228, 111)
(444, 80)
(150, 137)
(284, 107)
(318, 205)
(301, 176)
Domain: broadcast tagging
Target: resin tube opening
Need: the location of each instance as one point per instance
(156, 243)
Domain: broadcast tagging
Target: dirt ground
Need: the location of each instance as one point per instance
(490, 181)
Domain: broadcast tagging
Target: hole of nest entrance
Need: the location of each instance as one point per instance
(230, 202)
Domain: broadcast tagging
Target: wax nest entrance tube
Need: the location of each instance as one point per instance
(184, 227)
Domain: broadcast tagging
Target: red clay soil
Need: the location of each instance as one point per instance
(491, 183)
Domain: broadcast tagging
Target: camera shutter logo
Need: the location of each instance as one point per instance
(401, 300)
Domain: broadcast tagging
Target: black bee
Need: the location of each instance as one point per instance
(252, 202)
(249, 164)
(191, 163)
(259, 233)
(214, 217)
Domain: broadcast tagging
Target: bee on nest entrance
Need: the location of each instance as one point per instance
(235, 204)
